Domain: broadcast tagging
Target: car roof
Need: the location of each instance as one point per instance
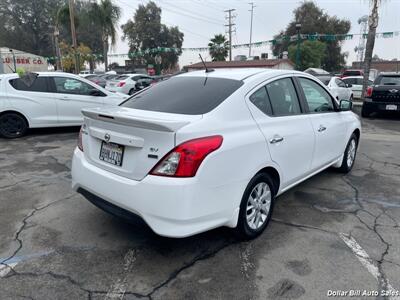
(237, 74)
(352, 77)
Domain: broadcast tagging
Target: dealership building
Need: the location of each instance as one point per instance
(11, 58)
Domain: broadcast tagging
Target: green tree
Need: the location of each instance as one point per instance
(145, 31)
(314, 20)
(87, 29)
(218, 47)
(29, 25)
(106, 15)
(312, 54)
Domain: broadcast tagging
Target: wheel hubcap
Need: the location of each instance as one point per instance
(11, 125)
(258, 205)
(351, 153)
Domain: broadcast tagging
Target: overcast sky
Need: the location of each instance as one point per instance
(199, 20)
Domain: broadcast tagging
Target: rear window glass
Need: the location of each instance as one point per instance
(121, 77)
(184, 95)
(39, 85)
(389, 80)
(325, 80)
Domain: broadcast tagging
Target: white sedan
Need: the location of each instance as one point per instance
(126, 83)
(339, 89)
(356, 83)
(203, 150)
(53, 99)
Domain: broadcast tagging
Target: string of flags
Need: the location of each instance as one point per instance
(280, 39)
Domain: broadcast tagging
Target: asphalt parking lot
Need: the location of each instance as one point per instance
(330, 233)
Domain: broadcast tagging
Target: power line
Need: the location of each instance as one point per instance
(191, 12)
(189, 16)
(230, 25)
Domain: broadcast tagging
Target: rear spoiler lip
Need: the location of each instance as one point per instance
(136, 121)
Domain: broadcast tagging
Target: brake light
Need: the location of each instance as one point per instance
(185, 159)
(121, 84)
(80, 144)
(369, 91)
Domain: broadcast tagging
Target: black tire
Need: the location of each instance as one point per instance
(243, 230)
(131, 92)
(12, 125)
(345, 167)
(365, 112)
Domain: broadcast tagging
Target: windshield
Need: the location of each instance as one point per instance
(184, 95)
(389, 80)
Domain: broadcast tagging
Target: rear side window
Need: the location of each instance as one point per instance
(39, 85)
(283, 97)
(389, 80)
(261, 100)
(184, 95)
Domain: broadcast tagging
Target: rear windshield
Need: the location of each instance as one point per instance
(389, 80)
(121, 77)
(325, 80)
(184, 95)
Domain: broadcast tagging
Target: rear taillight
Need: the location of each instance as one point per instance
(121, 84)
(369, 91)
(185, 159)
(80, 144)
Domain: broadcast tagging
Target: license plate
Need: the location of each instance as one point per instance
(112, 153)
(391, 107)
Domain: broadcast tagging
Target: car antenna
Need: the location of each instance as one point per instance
(205, 66)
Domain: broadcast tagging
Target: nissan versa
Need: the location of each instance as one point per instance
(212, 148)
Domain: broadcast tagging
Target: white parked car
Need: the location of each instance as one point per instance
(54, 99)
(339, 89)
(356, 83)
(203, 150)
(126, 83)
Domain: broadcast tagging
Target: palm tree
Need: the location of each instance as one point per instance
(218, 47)
(369, 47)
(106, 16)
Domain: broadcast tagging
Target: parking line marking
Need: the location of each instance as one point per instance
(366, 261)
(5, 269)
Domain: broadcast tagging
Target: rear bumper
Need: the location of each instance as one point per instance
(379, 106)
(173, 207)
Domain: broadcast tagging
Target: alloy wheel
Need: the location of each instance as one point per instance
(258, 205)
(351, 153)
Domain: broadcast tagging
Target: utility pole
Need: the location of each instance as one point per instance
(298, 27)
(73, 33)
(251, 25)
(369, 47)
(230, 25)
(57, 46)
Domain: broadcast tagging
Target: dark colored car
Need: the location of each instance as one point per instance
(143, 83)
(352, 72)
(97, 80)
(383, 95)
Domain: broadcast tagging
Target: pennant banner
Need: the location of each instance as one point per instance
(280, 39)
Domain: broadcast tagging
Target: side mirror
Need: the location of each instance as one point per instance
(349, 85)
(345, 105)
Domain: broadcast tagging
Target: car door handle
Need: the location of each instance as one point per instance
(275, 140)
(321, 128)
(65, 98)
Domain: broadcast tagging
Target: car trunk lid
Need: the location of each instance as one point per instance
(144, 136)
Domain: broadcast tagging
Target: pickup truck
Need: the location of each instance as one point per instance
(383, 95)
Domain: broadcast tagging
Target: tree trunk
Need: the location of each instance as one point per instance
(105, 53)
(369, 48)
